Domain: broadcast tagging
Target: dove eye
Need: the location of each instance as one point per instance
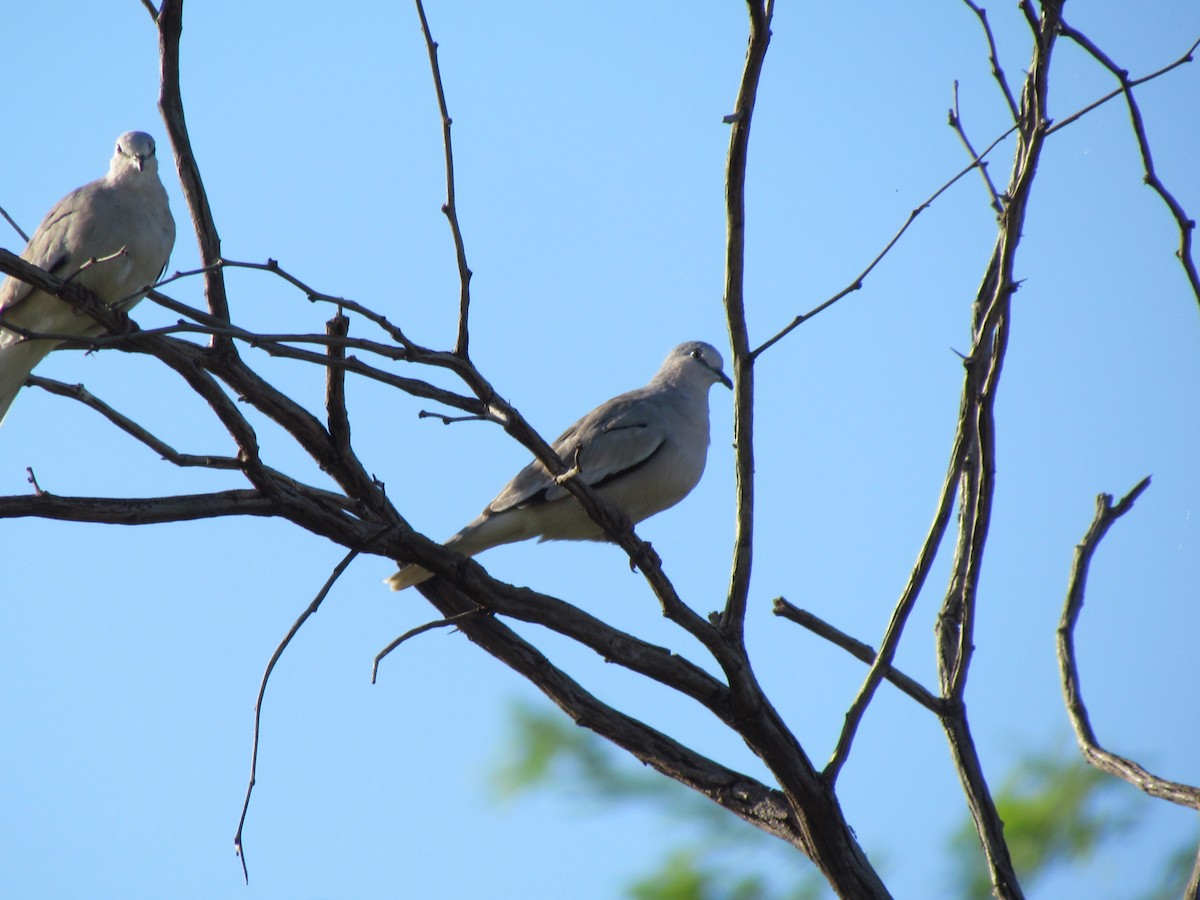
(697, 354)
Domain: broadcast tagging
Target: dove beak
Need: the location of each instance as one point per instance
(141, 162)
(723, 378)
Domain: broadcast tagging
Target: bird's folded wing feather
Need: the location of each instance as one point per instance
(612, 439)
(47, 249)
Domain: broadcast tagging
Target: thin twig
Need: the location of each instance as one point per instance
(1183, 221)
(451, 420)
(857, 283)
(315, 296)
(450, 207)
(276, 345)
(262, 689)
(421, 629)
(81, 394)
(994, 59)
(1080, 113)
(978, 161)
(957, 125)
(859, 650)
(17, 228)
(1106, 514)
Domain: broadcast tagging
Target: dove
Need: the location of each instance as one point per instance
(642, 452)
(113, 236)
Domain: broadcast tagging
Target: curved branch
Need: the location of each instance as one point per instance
(309, 611)
(1106, 761)
(81, 394)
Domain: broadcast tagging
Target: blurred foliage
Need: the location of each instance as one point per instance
(718, 856)
(1057, 811)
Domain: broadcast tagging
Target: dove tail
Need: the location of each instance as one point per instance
(407, 577)
(475, 538)
(16, 362)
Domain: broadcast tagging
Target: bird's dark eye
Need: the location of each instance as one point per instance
(697, 354)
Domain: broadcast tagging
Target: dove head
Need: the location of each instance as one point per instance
(694, 363)
(135, 152)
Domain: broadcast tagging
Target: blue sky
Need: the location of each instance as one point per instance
(589, 153)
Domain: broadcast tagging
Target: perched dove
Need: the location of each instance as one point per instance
(642, 452)
(112, 236)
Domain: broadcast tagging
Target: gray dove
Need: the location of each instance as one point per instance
(112, 236)
(642, 452)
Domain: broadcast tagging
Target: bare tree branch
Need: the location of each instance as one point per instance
(977, 162)
(341, 567)
(1184, 222)
(957, 125)
(881, 663)
(994, 59)
(139, 510)
(450, 207)
(130, 427)
(803, 807)
(170, 104)
(857, 283)
(421, 629)
(1106, 514)
(763, 807)
(859, 650)
(1080, 113)
(11, 221)
(335, 388)
(733, 617)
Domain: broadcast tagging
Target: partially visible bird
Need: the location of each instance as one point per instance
(642, 452)
(112, 236)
